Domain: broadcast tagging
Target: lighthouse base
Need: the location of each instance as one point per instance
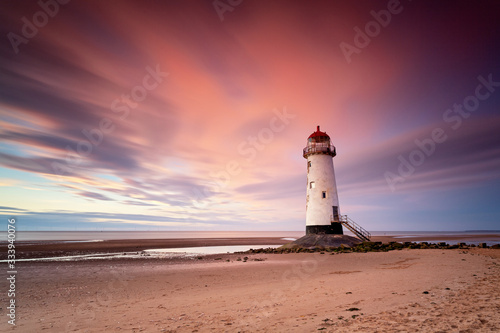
(334, 229)
(322, 241)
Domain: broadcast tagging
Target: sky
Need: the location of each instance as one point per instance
(192, 115)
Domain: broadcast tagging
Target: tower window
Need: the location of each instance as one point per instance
(309, 163)
(312, 185)
(323, 195)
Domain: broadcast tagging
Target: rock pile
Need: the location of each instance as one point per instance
(366, 247)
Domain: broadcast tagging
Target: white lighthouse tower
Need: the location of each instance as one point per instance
(324, 224)
(322, 203)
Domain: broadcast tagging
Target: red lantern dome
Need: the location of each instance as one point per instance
(318, 136)
(319, 143)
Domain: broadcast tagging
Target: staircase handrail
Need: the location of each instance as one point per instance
(350, 223)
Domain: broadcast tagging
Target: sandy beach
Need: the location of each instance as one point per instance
(398, 291)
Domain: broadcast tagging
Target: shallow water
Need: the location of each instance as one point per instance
(211, 249)
(468, 242)
(156, 253)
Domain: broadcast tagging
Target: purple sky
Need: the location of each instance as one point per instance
(185, 115)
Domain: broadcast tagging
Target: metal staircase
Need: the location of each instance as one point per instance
(355, 228)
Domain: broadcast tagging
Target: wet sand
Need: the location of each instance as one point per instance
(51, 249)
(58, 248)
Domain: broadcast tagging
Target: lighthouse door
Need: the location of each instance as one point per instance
(335, 213)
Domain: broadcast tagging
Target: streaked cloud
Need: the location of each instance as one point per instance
(191, 152)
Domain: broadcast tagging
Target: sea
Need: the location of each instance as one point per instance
(480, 236)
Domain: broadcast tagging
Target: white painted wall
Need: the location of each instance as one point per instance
(321, 172)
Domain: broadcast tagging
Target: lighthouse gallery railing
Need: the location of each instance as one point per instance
(319, 148)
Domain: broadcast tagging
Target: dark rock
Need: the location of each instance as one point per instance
(396, 245)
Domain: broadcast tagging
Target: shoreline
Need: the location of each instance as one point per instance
(61, 248)
(465, 238)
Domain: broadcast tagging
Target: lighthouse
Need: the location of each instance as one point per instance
(322, 201)
(324, 224)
